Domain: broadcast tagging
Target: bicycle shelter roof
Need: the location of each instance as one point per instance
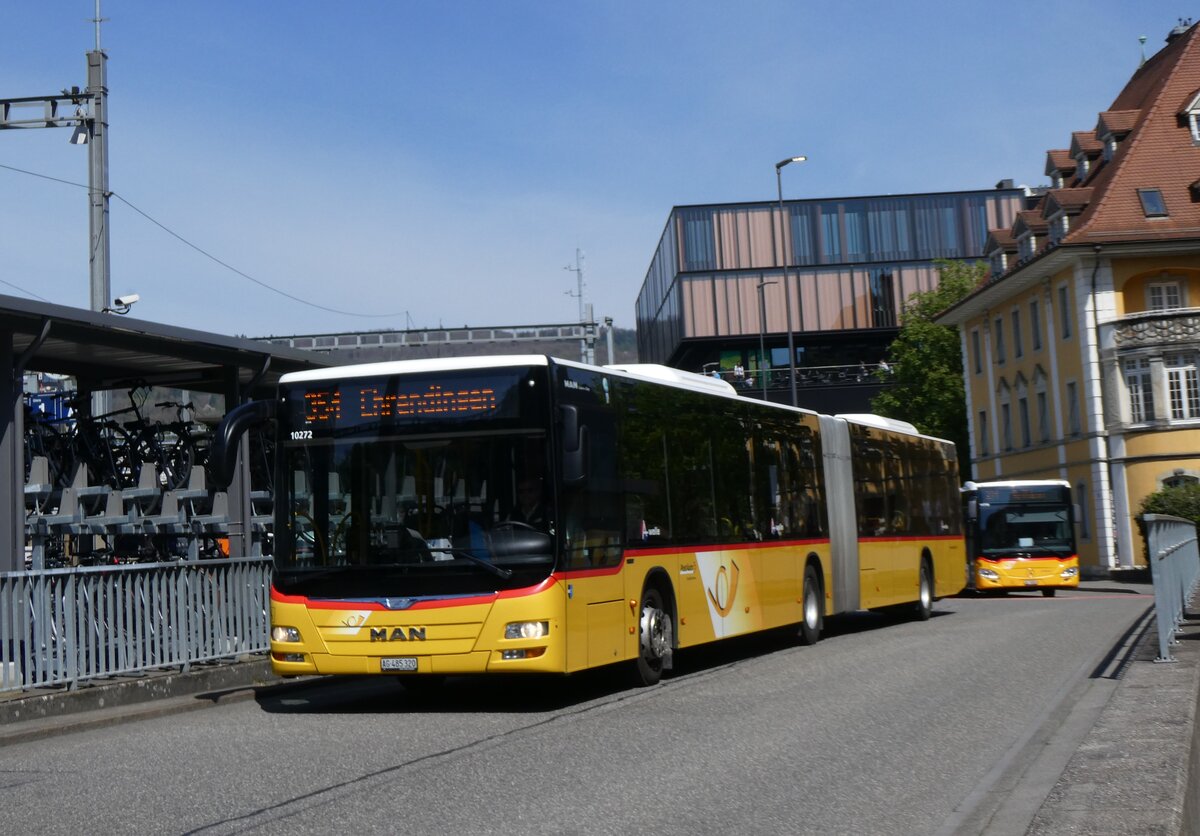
(105, 351)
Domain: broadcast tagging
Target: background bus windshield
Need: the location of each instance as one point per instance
(1030, 520)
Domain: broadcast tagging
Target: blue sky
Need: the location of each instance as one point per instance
(439, 163)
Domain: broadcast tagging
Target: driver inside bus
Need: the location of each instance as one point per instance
(530, 509)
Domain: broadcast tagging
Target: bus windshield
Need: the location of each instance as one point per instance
(415, 486)
(1025, 528)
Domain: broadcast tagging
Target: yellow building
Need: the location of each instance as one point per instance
(1081, 352)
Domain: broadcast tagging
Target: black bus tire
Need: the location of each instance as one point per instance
(812, 610)
(923, 608)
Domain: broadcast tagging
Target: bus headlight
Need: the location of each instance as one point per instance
(989, 574)
(1069, 572)
(526, 629)
(285, 634)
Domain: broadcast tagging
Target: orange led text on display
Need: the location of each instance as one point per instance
(323, 407)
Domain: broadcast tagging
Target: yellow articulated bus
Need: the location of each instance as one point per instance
(1021, 536)
(535, 515)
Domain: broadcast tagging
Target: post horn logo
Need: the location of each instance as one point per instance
(726, 584)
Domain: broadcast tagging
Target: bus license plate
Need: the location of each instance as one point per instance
(398, 663)
(1031, 583)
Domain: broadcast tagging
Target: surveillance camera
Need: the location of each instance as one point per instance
(126, 301)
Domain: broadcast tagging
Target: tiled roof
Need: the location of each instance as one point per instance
(1071, 201)
(1030, 220)
(1059, 160)
(1157, 153)
(1000, 239)
(1116, 122)
(1086, 142)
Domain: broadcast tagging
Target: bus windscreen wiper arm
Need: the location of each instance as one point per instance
(499, 571)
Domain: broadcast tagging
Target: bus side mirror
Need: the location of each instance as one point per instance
(574, 446)
(222, 455)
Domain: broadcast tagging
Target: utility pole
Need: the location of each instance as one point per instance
(90, 121)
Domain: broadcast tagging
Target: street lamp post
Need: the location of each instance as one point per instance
(762, 327)
(787, 293)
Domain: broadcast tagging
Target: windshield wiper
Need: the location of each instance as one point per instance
(498, 571)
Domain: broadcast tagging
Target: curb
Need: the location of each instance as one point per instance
(31, 715)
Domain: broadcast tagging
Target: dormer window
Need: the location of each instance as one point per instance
(1192, 114)
(1026, 245)
(1056, 179)
(1081, 166)
(1153, 205)
(998, 263)
(1110, 147)
(1058, 227)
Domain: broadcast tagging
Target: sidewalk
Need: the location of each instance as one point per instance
(1138, 768)
(32, 715)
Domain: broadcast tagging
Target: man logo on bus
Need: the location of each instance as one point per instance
(398, 634)
(726, 589)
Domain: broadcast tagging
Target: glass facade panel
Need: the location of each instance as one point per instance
(912, 230)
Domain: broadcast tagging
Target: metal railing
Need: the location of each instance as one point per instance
(1174, 555)
(67, 626)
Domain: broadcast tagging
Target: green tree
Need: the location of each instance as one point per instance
(926, 377)
(1180, 501)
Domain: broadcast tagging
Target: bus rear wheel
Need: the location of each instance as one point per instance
(810, 626)
(655, 638)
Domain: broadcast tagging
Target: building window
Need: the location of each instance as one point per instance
(1026, 245)
(1043, 416)
(1081, 166)
(1064, 313)
(1164, 296)
(1153, 205)
(1141, 392)
(883, 299)
(1017, 340)
(1085, 530)
(983, 432)
(1180, 479)
(998, 339)
(1023, 417)
(1183, 386)
(1006, 426)
(1074, 424)
(977, 351)
(1035, 325)
(1193, 117)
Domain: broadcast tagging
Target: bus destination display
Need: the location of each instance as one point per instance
(371, 403)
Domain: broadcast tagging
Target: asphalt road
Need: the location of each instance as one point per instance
(887, 726)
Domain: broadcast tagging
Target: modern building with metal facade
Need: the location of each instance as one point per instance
(722, 275)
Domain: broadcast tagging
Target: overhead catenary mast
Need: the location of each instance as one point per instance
(587, 346)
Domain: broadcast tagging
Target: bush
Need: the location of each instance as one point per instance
(1182, 501)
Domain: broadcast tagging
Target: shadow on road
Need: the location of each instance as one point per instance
(533, 693)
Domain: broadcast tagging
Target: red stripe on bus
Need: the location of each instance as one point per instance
(727, 547)
(1025, 557)
(433, 603)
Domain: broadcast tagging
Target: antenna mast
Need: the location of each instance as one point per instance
(578, 271)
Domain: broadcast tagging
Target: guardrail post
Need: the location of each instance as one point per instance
(1174, 556)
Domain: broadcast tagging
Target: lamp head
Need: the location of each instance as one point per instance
(788, 161)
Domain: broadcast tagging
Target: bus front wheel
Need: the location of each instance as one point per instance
(810, 627)
(923, 608)
(655, 638)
